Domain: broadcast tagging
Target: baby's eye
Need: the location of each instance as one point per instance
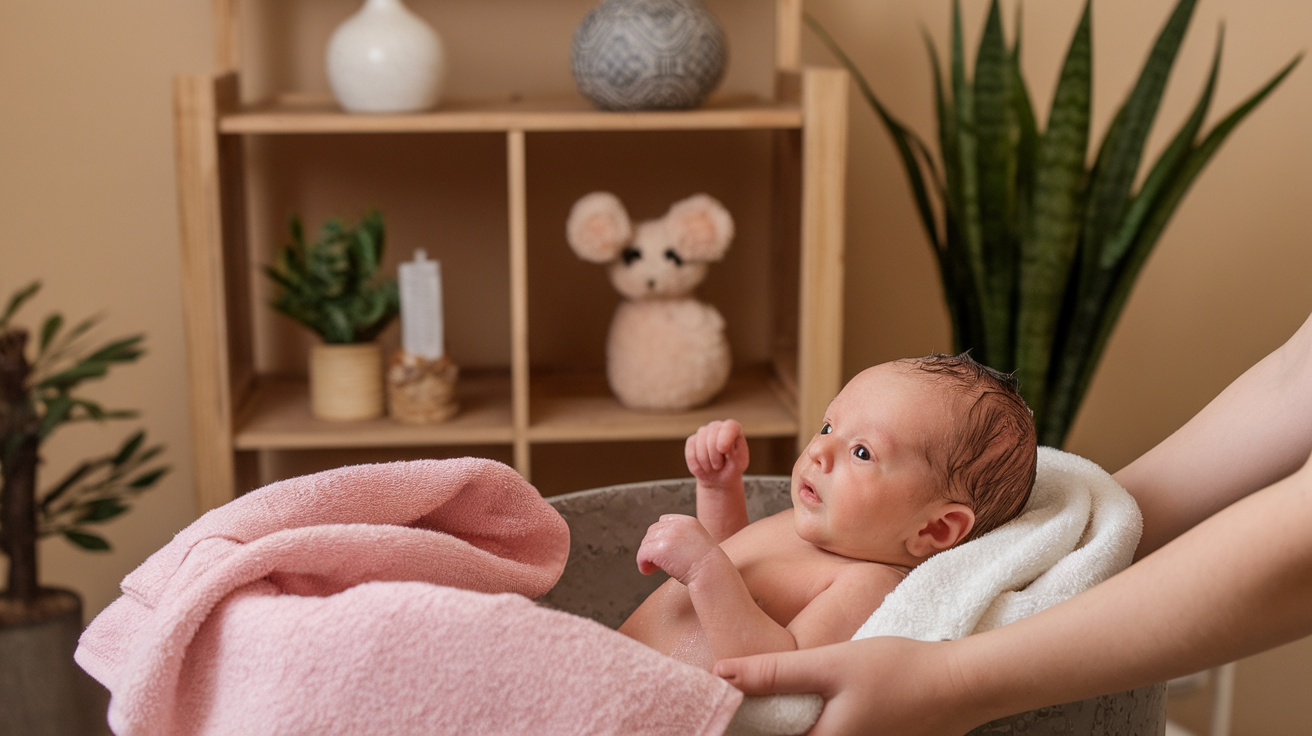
(826, 429)
(861, 453)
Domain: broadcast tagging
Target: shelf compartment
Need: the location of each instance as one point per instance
(573, 407)
(277, 417)
(304, 114)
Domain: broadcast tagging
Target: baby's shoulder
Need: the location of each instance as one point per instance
(861, 572)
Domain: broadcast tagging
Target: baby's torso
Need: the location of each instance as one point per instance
(782, 572)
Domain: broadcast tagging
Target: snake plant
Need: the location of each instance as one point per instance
(1037, 250)
(331, 285)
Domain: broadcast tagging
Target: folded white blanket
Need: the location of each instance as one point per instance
(1078, 529)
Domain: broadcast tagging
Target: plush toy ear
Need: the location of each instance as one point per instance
(702, 227)
(598, 227)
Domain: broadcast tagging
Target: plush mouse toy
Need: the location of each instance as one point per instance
(666, 351)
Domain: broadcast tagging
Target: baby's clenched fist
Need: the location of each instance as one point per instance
(717, 453)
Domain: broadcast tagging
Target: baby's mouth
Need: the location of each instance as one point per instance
(806, 492)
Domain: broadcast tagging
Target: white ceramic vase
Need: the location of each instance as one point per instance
(386, 59)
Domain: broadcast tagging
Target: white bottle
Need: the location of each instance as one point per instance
(386, 59)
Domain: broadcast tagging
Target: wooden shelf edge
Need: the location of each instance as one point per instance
(321, 115)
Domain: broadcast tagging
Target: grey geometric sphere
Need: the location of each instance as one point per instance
(648, 54)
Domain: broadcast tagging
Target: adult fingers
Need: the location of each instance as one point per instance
(802, 671)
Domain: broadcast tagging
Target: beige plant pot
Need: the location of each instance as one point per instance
(346, 382)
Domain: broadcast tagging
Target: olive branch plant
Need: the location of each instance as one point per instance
(37, 398)
(1037, 251)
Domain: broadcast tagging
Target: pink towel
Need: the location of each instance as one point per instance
(379, 599)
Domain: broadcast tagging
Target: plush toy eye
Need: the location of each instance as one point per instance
(671, 255)
(630, 254)
(826, 429)
(861, 453)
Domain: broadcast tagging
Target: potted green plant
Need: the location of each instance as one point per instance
(1037, 251)
(39, 626)
(332, 285)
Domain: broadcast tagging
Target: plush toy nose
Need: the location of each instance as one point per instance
(651, 283)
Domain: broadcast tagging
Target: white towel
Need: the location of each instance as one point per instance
(1079, 528)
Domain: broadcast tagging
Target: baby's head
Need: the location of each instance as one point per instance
(914, 457)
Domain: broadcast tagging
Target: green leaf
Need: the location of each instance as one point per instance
(147, 480)
(101, 510)
(1122, 147)
(87, 541)
(69, 378)
(903, 138)
(128, 448)
(56, 413)
(967, 152)
(76, 474)
(1049, 246)
(48, 330)
(997, 138)
(119, 351)
(16, 301)
(1163, 171)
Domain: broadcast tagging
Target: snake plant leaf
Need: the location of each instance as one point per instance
(1188, 171)
(1027, 142)
(1049, 246)
(16, 301)
(1118, 158)
(904, 139)
(997, 134)
(968, 211)
(1163, 170)
(1175, 181)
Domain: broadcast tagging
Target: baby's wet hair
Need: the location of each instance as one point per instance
(990, 462)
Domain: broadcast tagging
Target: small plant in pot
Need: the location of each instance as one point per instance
(39, 626)
(332, 285)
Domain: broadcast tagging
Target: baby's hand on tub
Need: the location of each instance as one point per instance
(717, 453)
(675, 544)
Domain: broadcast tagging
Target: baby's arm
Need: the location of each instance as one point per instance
(717, 456)
(734, 624)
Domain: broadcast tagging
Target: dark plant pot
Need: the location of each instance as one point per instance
(42, 691)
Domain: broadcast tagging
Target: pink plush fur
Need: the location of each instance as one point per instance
(384, 599)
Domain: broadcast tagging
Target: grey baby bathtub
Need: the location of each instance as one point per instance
(601, 581)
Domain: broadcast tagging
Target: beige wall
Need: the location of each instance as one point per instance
(87, 200)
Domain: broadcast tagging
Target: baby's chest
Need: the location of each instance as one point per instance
(783, 583)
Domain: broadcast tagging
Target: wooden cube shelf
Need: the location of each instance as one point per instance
(238, 411)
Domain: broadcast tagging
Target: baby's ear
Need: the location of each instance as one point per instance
(598, 227)
(701, 226)
(950, 524)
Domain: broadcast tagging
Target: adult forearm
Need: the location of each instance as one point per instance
(1257, 431)
(1237, 584)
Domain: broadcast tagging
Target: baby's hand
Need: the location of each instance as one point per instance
(717, 453)
(674, 544)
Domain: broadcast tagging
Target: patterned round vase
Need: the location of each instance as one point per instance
(648, 54)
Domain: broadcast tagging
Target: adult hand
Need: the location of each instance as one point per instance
(882, 685)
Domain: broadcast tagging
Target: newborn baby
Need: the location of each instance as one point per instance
(914, 457)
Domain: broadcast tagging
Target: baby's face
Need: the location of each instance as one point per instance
(863, 486)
